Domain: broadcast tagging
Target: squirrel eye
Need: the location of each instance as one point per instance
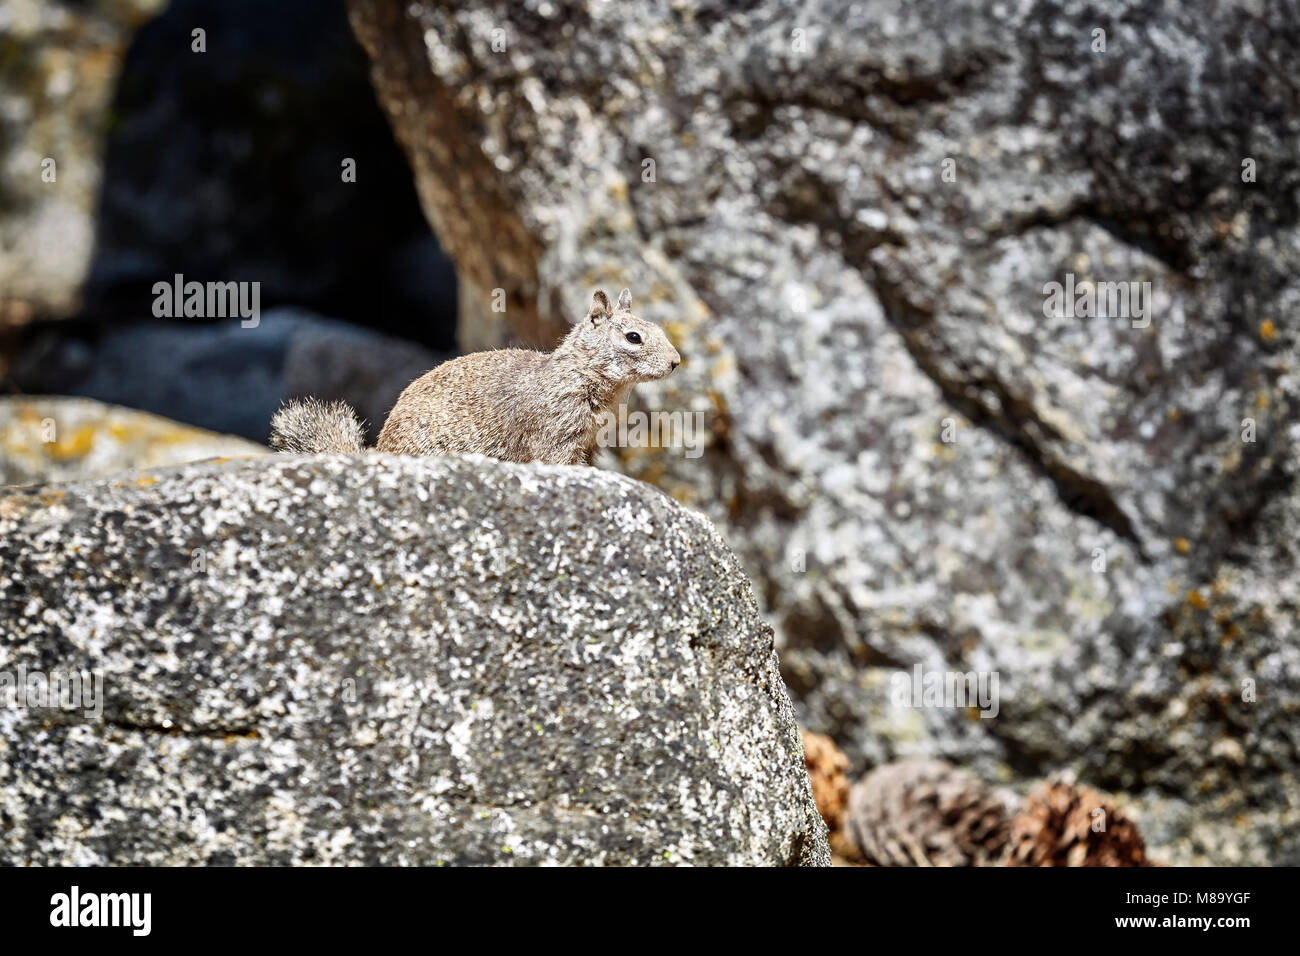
(634, 338)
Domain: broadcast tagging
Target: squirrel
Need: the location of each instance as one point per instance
(512, 404)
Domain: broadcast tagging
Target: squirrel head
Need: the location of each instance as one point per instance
(624, 348)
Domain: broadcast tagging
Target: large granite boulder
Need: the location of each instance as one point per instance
(390, 660)
(849, 213)
(59, 63)
(47, 439)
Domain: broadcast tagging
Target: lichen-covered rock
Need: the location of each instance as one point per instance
(59, 62)
(69, 439)
(847, 213)
(391, 660)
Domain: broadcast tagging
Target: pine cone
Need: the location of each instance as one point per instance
(1068, 825)
(826, 769)
(926, 813)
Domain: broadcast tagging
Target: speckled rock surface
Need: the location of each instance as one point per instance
(50, 439)
(391, 660)
(915, 463)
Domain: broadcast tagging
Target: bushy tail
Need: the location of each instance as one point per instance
(310, 426)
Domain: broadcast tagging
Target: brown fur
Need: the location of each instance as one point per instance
(511, 404)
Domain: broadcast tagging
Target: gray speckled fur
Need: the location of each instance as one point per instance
(312, 426)
(392, 660)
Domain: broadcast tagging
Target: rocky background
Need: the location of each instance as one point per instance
(845, 214)
(224, 165)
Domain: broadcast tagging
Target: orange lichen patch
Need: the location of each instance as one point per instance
(173, 436)
(146, 481)
(676, 332)
(1228, 631)
(1261, 399)
(100, 66)
(944, 451)
(1175, 414)
(724, 366)
(76, 445)
(1197, 600)
(1182, 546)
(660, 292)
(683, 494)
(1267, 330)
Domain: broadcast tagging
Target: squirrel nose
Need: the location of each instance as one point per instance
(677, 360)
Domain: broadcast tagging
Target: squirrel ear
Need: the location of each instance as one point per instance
(625, 300)
(599, 306)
